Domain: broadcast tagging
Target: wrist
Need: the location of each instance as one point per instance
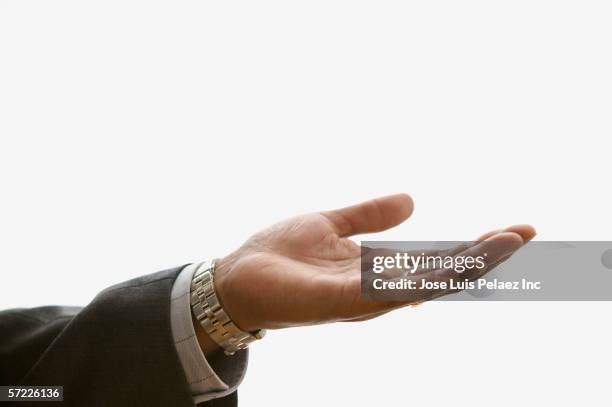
(229, 290)
(213, 313)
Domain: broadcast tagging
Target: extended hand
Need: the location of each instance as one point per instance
(306, 271)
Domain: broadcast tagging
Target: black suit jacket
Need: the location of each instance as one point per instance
(117, 351)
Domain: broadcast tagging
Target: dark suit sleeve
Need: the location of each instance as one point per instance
(117, 351)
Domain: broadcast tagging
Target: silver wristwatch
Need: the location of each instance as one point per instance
(208, 311)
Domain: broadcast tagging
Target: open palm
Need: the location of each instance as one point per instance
(306, 270)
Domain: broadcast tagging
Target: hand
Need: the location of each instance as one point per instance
(306, 270)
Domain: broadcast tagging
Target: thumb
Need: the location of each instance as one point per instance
(371, 216)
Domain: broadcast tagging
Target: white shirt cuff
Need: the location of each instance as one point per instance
(204, 382)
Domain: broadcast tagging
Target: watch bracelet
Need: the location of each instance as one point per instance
(207, 309)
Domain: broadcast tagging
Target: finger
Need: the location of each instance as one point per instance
(527, 232)
(496, 249)
(371, 216)
(489, 234)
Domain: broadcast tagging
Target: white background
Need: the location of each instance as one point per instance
(140, 135)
